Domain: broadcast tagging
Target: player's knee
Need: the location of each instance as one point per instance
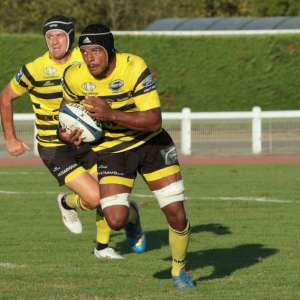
(91, 202)
(116, 209)
(116, 223)
(170, 194)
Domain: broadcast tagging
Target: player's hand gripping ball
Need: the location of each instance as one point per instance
(73, 115)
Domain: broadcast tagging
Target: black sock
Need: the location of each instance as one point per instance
(64, 204)
(100, 246)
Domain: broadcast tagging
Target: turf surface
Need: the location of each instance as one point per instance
(244, 242)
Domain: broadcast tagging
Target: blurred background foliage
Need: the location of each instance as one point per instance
(28, 16)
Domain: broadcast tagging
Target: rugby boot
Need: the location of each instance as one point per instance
(107, 253)
(69, 216)
(183, 281)
(135, 234)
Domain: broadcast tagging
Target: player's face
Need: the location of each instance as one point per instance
(95, 59)
(57, 42)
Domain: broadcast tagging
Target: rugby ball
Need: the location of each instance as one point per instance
(73, 115)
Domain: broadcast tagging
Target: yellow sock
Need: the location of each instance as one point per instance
(103, 230)
(179, 243)
(74, 201)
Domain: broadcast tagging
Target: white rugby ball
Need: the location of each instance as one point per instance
(73, 115)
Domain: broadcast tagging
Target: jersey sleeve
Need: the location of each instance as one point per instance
(68, 86)
(144, 90)
(22, 82)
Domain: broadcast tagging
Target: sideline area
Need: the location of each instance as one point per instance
(182, 160)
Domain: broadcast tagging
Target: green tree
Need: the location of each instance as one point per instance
(18, 16)
(277, 7)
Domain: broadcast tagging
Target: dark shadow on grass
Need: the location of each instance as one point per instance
(225, 261)
(157, 239)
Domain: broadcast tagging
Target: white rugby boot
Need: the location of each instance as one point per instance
(70, 217)
(107, 253)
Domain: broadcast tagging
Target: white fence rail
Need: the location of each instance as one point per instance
(208, 32)
(208, 133)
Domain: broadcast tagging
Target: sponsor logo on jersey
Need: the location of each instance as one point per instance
(116, 85)
(129, 95)
(48, 83)
(86, 40)
(50, 71)
(169, 155)
(88, 86)
(19, 75)
(67, 169)
(148, 81)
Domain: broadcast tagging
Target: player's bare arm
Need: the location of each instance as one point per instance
(63, 103)
(149, 120)
(14, 146)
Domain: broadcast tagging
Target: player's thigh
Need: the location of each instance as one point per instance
(68, 162)
(116, 173)
(87, 188)
(160, 166)
(163, 182)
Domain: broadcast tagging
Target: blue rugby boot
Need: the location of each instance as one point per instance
(183, 281)
(134, 233)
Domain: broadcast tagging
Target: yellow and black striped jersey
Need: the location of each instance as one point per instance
(42, 78)
(129, 88)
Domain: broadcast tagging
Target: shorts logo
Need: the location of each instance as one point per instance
(148, 81)
(169, 155)
(116, 85)
(102, 167)
(50, 71)
(67, 169)
(110, 173)
(56, 169)
(19, 75)
(88, 86)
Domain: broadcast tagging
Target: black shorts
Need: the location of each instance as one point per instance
(67, 162)
(154, 160)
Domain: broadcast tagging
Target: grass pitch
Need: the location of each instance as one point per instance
(244, 242)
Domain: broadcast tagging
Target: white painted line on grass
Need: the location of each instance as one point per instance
(260, 199)
(243, 199)
(13, 192)
(19, 173)
(11, 265)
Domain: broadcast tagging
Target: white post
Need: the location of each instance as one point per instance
(186, 144)
(35, 142)
(256, 130)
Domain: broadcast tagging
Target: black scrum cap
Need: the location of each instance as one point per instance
(61, 23)
(99, 35)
